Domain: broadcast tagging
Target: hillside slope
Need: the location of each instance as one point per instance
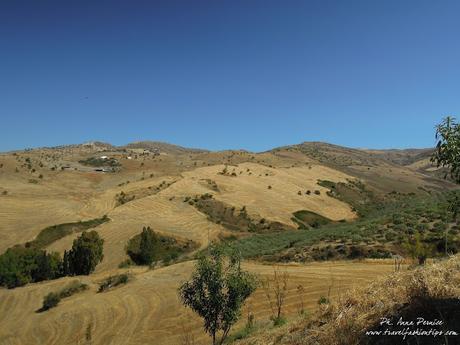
(431, 292)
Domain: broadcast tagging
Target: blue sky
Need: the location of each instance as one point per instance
(227, 74)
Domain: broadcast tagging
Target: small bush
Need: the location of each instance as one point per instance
(50, 301)
(53, 298)
(279, 321)
(113, 281)
(72, 289)
(323, 300)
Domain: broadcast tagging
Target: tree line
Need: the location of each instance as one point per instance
(21, 265)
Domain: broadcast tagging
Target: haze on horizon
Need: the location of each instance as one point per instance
(227, 75)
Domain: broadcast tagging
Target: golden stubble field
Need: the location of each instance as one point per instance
(146, 310)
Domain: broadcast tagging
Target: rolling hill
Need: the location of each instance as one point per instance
(188, 194)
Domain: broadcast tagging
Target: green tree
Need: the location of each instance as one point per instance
(447, 153)
(147, 245)
(16, 265)
(86, 253)
(65, 264)
(48, 266)
(144, 248)
(454, 205)
(21, 265)
(217, 291)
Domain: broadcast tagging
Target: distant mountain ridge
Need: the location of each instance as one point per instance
(323, 152)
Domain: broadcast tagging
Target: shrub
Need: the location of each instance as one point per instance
(113, 281)
(53, 298)
(50, 301)
(323, 300)
(279, 321)
(73, 288)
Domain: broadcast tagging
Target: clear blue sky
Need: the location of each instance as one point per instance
(227, 74)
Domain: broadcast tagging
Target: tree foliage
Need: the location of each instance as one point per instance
(144, 248)
(217, 291)
(454, 205)
(447, 152)
(148, 247)
(21, 265)
(447, 155)
(86, 253)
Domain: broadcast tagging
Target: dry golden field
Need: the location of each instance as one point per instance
(44, 187)
(147, 310)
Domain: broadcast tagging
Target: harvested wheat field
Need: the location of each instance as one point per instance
(42, 188)
(166, 212)
(147, 311)
(429, 292)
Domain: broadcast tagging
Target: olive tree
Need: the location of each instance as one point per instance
(217, 290)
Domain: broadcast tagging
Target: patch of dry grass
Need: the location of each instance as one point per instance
(346, 320)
